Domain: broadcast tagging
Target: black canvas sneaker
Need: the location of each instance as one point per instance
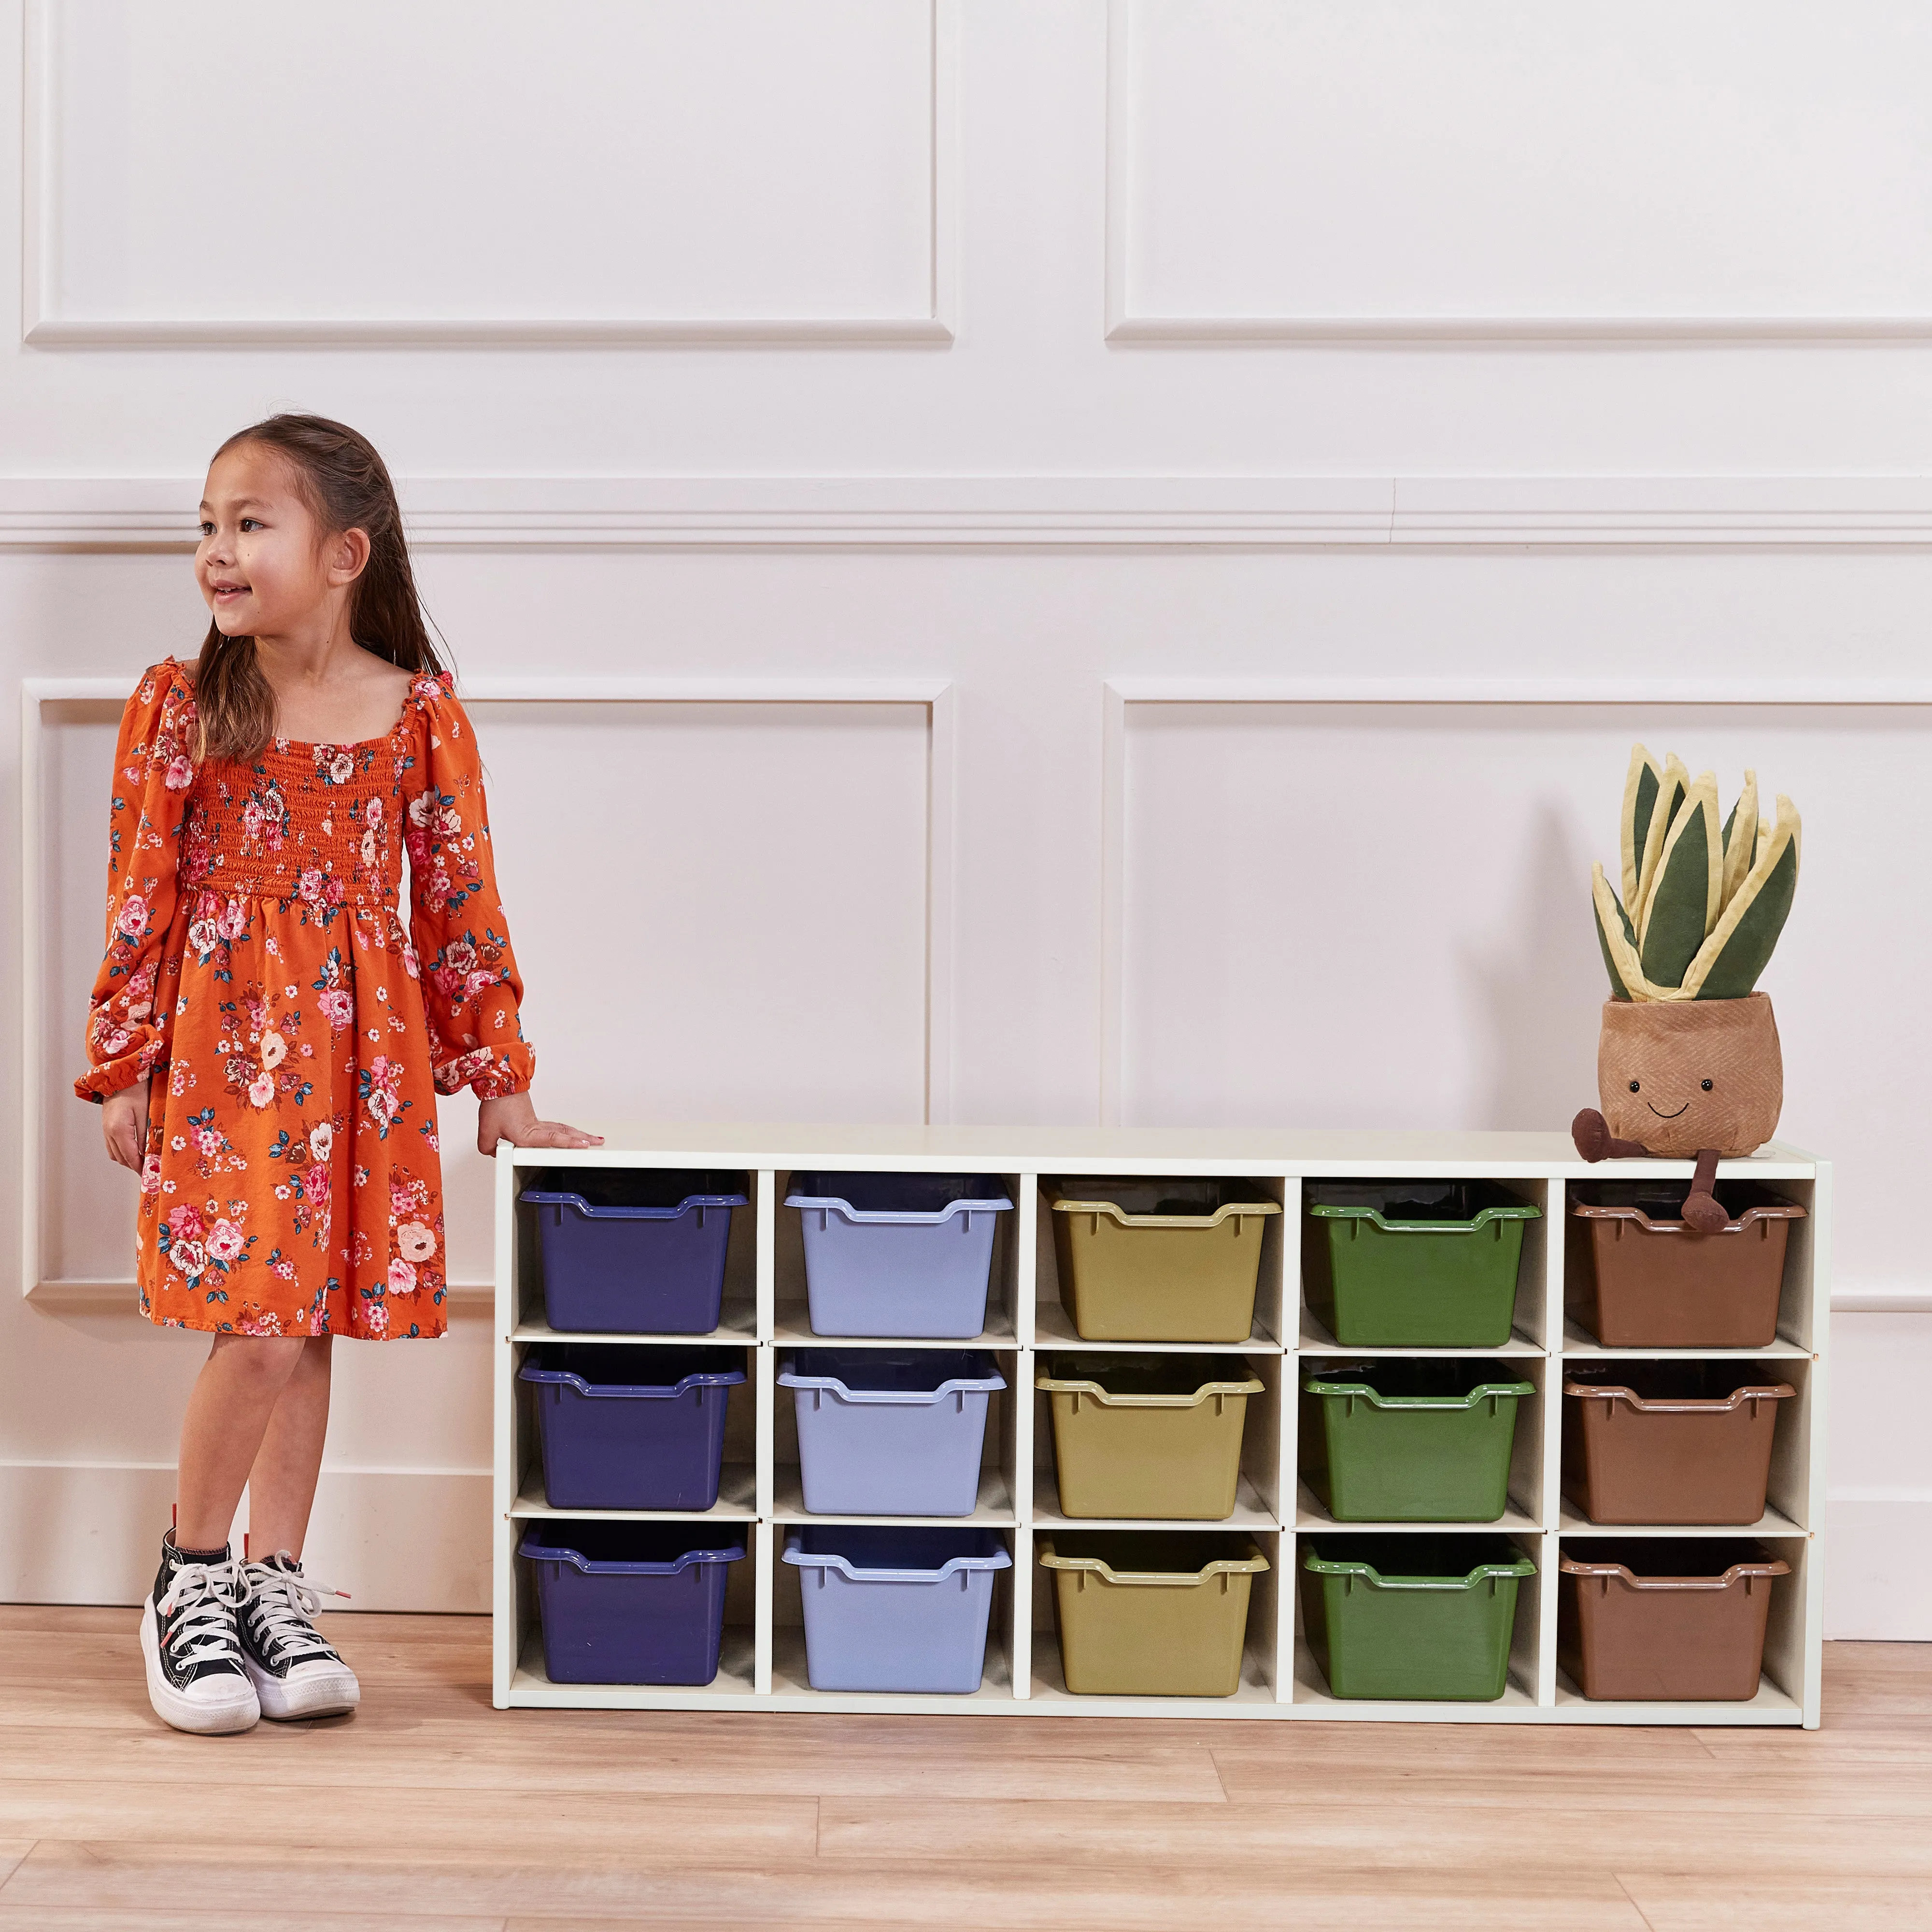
(294, 1669)
(196, 1680)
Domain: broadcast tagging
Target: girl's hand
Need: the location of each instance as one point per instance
(123, 1124)
(513, 1118)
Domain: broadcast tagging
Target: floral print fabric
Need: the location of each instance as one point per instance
(297, 1031)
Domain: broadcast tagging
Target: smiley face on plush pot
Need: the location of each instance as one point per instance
(1681, 1076)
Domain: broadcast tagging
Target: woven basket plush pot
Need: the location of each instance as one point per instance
(1680, 1076)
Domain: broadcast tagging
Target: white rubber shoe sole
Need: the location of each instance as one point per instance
(211, 1706)
(309, 1691)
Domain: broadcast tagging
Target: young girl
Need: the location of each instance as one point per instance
(267, 1036)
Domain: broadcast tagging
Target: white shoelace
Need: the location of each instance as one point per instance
(283, 1602)
(207, 1596)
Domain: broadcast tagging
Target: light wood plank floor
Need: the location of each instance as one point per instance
(428, 1810)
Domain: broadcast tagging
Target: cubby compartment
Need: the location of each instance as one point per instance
(890, 1432)
(1637, 1276)
(1667, 1619)
(635, 1251)
(929, 1433)
(892, 1255)
(947, 1245)
(1420, 1439)
(1176, 1617)
(609, 1607)
(905, 1611)
(1155, 1262)
(1168, 1462)
(637, 1427)
(1406, 1263)
(1427, 1616)
(650, 1267)
(1673, 1442)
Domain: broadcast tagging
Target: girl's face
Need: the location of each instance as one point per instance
(266, 566)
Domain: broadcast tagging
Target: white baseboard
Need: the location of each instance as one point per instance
(1878, 1566)
(396, 1540)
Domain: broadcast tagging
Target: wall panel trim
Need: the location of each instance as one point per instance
(512, 513)
(1118, 693)
(1122, 326)
(934, 694)
(43, 324)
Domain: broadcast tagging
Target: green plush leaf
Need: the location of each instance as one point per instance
(1728, 965)
(1683, 904)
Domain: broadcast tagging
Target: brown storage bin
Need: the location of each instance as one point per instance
(1637, 1275)
(1674, 1620)
(1669, 1441)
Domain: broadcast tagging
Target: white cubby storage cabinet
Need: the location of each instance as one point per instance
(763, 1666)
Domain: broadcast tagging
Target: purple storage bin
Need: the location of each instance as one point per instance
(898, 1254)
(630, 1603)
(634, 1250)
(896, 1610)
(627, 1427)
(890, 1432)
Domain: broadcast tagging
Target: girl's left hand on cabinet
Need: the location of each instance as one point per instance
(513, 1118)
(124, 1124)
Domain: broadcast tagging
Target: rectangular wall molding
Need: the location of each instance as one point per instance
(46, 321)
(1230, 513)
(1224, 57)
(935, 694)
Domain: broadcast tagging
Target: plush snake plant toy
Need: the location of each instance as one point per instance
(1688, 1063)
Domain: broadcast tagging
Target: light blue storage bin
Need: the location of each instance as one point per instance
(890, 1432)
(896, 1610)
(898, 1254)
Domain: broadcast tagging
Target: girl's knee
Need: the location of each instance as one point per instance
(268, 1358)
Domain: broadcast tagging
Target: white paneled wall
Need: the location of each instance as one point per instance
(1020, 561)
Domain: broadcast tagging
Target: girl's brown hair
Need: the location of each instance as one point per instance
(346, 486)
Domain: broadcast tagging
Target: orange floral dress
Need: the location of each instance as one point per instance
(298, 1031)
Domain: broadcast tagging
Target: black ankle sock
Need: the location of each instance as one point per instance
(177, 1556)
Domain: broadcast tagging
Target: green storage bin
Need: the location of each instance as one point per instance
(1412, 1616)
(1151, 1613)
(1411, 1441)
(1413, 1264)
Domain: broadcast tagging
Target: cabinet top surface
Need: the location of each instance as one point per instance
(1340, 1151)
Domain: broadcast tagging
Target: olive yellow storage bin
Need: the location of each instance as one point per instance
(1148, 1435)
(1151, 1613)
(1158, 1260)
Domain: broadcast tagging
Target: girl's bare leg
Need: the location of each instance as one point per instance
(228, 1412)
(281, 1485)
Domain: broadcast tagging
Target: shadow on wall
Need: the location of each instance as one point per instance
(1534, 990)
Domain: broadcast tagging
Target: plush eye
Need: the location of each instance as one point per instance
(1633, 1086)
(1707, 1086)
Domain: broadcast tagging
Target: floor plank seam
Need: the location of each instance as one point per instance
(1633, 1905)
(32, 1845)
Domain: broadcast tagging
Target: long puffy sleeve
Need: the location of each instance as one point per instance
(127, 1020)
(470, 985)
